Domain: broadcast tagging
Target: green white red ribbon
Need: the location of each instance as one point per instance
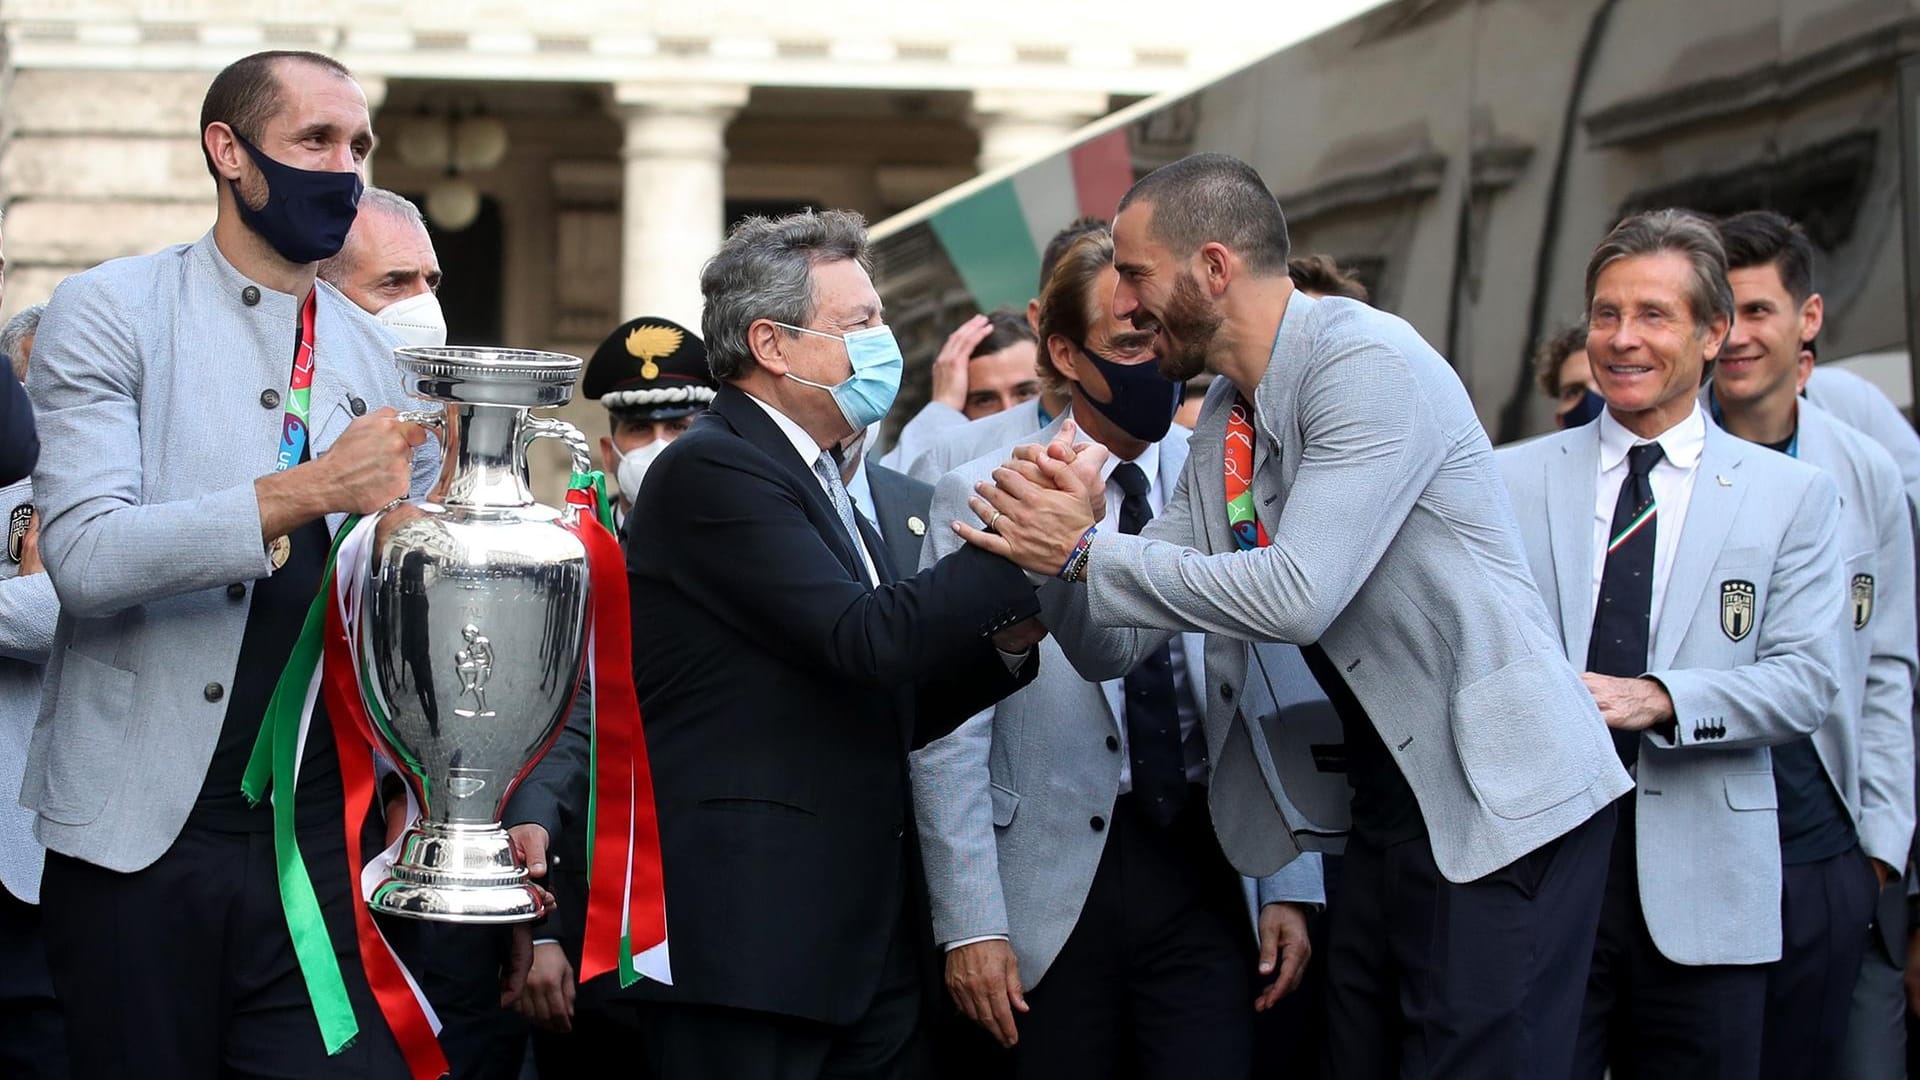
(626, 908)
(626, 927)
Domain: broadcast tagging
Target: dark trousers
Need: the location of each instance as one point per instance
(33, 1035)
(707, 1042)
(605, 1028)
(1157, 979)
(1648, 1018)
(458, 967)
(1291, 1038)
(1826, 909)
(1428, 978)
(185, 970)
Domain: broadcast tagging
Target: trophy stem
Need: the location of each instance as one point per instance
(458, 874)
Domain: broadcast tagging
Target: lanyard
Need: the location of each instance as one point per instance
(293, 429)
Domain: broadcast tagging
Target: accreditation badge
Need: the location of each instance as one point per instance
(1736, 609)
(18, 522)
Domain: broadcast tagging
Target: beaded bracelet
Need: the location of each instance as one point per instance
(1078, 555)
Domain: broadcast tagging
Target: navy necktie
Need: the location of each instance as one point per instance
(1152, 715)
(1620, 617)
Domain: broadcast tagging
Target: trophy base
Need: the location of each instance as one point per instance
(457, 874)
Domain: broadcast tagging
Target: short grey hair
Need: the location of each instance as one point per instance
(1682, 232)
(764, 270)
(333, 268)
(23, 325)
(379, 198)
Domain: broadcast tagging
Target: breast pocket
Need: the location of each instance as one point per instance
(1735, 599)
(1006, 803)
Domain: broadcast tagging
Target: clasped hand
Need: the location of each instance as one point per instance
(1040, 503)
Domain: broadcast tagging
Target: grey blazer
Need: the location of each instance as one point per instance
(899, 511)
(28, 611)
(933, 422)
(150, 377)
(1707, 836)
(1866, 742)
(955, 447)
(1394, 547)
(1003, 802)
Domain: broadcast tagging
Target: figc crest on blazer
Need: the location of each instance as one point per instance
(1736, 609)
(1862, 600)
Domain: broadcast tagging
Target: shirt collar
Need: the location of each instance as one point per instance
(1149, 462)
(861, 492)
(803, 443)
(1682, 443)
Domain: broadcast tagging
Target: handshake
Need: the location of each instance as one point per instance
(1041, 503)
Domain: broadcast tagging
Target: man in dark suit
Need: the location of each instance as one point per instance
(784, 672)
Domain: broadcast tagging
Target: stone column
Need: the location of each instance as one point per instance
(673, 192)
(1018, 124)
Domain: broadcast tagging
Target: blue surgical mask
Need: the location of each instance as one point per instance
(308, 211)
(1142, 402)
(1590, 407)
(869, 392)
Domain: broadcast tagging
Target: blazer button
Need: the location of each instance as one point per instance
(1098, 824)
(236, 591)
(269, 398)
(358, 406)
(1226, 692)
(1113, 743)
(214, 692)
(250, 295)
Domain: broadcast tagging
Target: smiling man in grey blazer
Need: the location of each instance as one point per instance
(1697, 580)
(208, 412)
(1847, 791)
(1341, 496)
(1090, 919)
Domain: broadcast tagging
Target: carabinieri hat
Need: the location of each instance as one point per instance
(650, 369)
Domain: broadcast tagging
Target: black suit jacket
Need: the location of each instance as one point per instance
(898, 502)
(780, 695)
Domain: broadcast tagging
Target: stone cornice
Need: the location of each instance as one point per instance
(1764, 85)
(585, 54)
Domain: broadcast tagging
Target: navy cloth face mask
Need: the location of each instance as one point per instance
(1590, 407)
(1143, 400)
(308, 212)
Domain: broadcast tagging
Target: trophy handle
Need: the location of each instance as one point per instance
(544, 427)
(426, 418)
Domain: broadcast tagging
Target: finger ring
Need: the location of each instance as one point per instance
(997, 515)
(393, 504)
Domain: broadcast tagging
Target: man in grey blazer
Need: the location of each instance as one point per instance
(1071, 865)
(1697, 579)
(1368, 526)
(1847, 791)
(209, 413)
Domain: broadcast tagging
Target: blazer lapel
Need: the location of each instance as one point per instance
(1711, 509)
(752, 424)
(1570, 483)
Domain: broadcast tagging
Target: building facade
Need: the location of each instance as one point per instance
(578, 159)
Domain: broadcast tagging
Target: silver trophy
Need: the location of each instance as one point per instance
(474, 625)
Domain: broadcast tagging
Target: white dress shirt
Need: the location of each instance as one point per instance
(1672, 481)
(810, 451)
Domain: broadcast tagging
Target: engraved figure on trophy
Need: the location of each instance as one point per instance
(475, 665)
